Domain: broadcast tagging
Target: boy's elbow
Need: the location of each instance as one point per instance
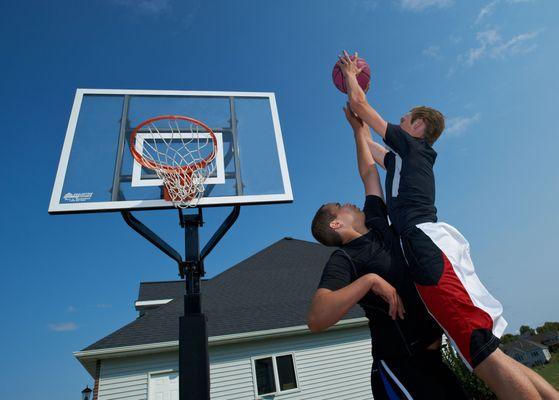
(368, 172)
(313, 325)
(358, 104)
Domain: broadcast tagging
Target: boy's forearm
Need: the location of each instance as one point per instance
(377, 150)
(354, 92)
(365, 160)
(328, 307)
(360, 106)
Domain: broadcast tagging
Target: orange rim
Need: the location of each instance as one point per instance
(188, 169)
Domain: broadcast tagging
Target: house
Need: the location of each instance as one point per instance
(259, 344)
(527, 352)
(549, 339)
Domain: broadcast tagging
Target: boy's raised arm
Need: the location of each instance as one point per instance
(357, 99)
(365, 161)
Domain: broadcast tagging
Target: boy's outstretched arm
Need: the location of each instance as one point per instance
(377, 150)
(357, 99)
(365, 161)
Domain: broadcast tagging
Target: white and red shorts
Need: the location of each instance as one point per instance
(439, 260)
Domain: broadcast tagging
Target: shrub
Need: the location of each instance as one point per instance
(473, 385)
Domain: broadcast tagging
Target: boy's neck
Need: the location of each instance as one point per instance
(415, 134)
(355, 233)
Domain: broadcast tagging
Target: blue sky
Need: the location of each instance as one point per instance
(490, 66)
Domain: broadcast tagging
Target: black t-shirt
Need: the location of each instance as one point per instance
(410, 181)
(379, 252)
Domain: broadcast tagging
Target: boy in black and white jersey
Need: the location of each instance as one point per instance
(369, 269)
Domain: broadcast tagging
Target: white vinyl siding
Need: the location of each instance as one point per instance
(329, 365)
(127, 377)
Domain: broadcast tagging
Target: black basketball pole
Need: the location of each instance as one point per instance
(194, 365)
(194, 372)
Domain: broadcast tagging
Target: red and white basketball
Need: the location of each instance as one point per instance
(363, 78)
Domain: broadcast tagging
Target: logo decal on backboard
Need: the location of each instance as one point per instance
(77, 197)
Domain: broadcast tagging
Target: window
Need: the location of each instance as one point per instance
(275, 374)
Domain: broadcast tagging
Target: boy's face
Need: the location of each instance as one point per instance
(416, 129)
(405, 122)
(347, 216)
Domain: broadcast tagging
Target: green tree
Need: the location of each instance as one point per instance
(526, 330)
(473, 385)
(548, 327)
(508, 337)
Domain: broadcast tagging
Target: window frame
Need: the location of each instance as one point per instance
(278, 391)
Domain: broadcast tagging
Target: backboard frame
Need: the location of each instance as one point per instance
(80, 206)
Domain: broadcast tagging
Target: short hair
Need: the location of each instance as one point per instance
(321, 229)
(434, 122)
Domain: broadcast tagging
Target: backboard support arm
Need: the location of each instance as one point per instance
(194, 365)
(151, 237)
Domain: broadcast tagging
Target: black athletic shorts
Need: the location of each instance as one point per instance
(420, 377)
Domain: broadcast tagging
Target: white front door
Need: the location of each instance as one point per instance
(164, 386)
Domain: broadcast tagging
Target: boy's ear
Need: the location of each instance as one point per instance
(419, 124)
(336, 224)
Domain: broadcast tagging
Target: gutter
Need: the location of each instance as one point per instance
(88, 357)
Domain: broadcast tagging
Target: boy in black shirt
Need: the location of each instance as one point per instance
(437, 254)
(369, 269)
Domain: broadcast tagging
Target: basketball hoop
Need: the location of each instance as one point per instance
(180, 150)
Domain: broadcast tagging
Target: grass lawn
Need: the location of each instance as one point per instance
(550, 371)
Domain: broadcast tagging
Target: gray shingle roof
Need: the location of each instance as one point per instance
(545, 337)
(269, 290)
(523, 345)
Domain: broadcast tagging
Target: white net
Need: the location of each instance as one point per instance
(181, 151)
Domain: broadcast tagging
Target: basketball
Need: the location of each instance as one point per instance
(363, 78)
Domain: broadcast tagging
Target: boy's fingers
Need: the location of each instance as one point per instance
(401, 309)
(393, 308)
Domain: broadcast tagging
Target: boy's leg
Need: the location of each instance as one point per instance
(377, 385)
(505, 379)
(544, 388)
(422, 376)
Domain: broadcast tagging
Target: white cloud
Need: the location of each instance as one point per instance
(486, 11)
(433, 52)
(492, 45)
(458, 125)
(520, 44)
(63, 327)
(420, 5)
(454, 39)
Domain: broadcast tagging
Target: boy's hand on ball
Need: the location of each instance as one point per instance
(349, 66)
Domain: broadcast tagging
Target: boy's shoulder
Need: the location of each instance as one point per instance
(403, 143)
